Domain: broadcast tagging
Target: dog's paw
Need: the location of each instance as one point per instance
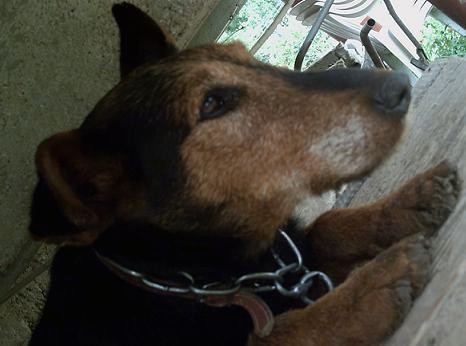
(406, 262)
(402, 271)
(438, 190)
(416, 254)
(431, 196)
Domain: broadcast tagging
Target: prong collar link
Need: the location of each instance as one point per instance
(254, 282)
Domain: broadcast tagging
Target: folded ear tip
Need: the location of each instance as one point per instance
(122, 5)
(124, 9)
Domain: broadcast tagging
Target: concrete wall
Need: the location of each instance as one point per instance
(57, 58)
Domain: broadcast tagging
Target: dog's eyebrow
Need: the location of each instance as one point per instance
(330, 80)
(336, 79)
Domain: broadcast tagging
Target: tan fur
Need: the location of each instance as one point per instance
(266, 152)
(252, 166)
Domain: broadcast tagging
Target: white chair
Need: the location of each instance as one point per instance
(347, 17)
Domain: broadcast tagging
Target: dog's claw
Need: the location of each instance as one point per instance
(431, 196)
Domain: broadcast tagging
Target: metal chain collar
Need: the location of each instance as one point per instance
(273, 281)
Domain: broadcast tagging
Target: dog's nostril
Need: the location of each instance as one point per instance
(393, 94)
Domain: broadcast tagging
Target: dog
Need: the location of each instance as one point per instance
(174, 204)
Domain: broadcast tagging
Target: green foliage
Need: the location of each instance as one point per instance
(283, 45)
(439, 40)
(251, 21)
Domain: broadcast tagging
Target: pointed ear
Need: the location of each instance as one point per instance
(74, 199)
(141, 39)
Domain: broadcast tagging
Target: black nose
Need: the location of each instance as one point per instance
(393, 94)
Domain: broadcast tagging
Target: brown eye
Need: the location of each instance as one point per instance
(212, 104)
(218, 102)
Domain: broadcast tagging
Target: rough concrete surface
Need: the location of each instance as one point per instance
(20, 313)
(57, 59)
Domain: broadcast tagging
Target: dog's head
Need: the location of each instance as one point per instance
(210, 141)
